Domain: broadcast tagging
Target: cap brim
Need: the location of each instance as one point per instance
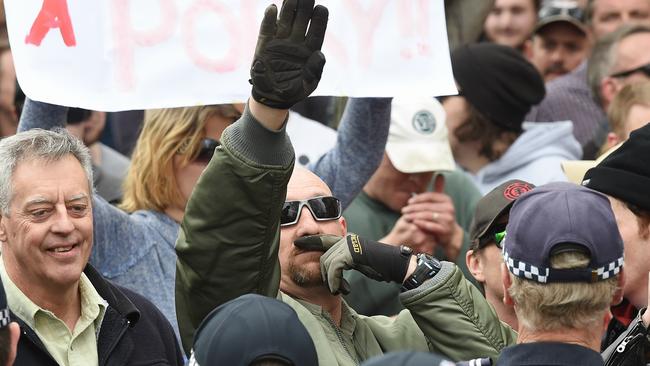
(560, 19)
(575, 170)
(413, 157)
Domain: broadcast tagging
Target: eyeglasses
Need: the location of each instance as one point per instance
(645, 69)
(322, 209)
(553, 10)
(206, 151)
(496, 236)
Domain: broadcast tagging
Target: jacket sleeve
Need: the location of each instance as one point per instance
(42, 115)
(229, 238)
(447, 308)
(360, 144)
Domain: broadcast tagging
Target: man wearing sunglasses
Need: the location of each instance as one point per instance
(241, 229)
(486, 234)
(560, 41)
(619, 59)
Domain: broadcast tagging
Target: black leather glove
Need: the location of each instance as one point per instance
(381, 262)
(288, 64)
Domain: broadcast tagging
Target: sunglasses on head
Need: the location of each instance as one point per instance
(496, 236)
(645, 69)
(322, 209)
(573, 11)
(206, 151)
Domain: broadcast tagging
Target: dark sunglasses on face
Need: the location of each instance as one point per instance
(322, 209)
(645, 69)
(496, 236)
(206, 151)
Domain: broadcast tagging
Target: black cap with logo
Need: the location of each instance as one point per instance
(493, 206)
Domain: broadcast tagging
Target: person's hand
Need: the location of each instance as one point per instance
(288, 64)
(405, 232)
(646, 316)
(434, 213)
(381, 262)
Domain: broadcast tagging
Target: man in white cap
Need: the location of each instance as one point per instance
(403, 203)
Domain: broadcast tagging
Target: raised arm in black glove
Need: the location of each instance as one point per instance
(381, 262)
(288, 64)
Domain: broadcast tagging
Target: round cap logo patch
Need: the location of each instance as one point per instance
(424, 122)
(514, 190)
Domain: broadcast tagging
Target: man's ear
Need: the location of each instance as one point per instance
(3, 232)
(475, 265)
(344, 225)
(507, 282)
(608, 90)
(618, 294)
(527, 50)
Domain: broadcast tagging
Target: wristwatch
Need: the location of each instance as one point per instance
(427, 267)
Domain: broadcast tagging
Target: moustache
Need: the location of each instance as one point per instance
(556, 69)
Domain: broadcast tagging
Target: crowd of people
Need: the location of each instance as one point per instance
(506, 225)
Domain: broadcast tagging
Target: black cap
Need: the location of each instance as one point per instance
(498, 81)
(249, 328)
(493, 205)
(625, 173)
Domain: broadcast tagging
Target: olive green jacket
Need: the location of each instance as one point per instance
(228, 246)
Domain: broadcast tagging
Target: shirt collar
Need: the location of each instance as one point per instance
(92, 304)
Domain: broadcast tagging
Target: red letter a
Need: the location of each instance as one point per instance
(53, 14)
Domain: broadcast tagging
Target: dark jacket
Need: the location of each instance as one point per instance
(549, 354)
(133, 332)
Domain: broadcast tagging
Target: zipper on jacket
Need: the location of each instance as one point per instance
(621, 347)
(340, 337)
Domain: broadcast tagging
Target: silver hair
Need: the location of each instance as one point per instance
(603, 56)
(38, 144)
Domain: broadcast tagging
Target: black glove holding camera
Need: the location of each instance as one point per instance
(381, 262)
(288, 64)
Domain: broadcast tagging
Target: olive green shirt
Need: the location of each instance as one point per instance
(373, 220)
(76, 348)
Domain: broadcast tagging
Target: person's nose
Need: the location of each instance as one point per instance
(307, 225)
(557, 55)
(505, 19)
(62, 224)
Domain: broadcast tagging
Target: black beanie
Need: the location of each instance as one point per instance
(497, 81)
(625, 173)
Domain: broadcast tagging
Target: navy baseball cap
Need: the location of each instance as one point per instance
(252, 328)
(562, 217)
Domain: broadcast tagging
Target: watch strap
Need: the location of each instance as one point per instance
(427, 267)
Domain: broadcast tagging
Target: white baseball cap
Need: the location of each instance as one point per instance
(417, 139)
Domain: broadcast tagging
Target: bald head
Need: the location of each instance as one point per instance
(305, 184)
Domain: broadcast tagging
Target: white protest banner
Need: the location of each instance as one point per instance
(137, 54)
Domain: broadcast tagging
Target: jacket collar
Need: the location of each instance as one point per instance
(115, 298)
(549, 353)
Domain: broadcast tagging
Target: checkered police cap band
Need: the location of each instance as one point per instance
(549, 275)
(5, 318)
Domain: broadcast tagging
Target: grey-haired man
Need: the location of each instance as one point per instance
(46, 232)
